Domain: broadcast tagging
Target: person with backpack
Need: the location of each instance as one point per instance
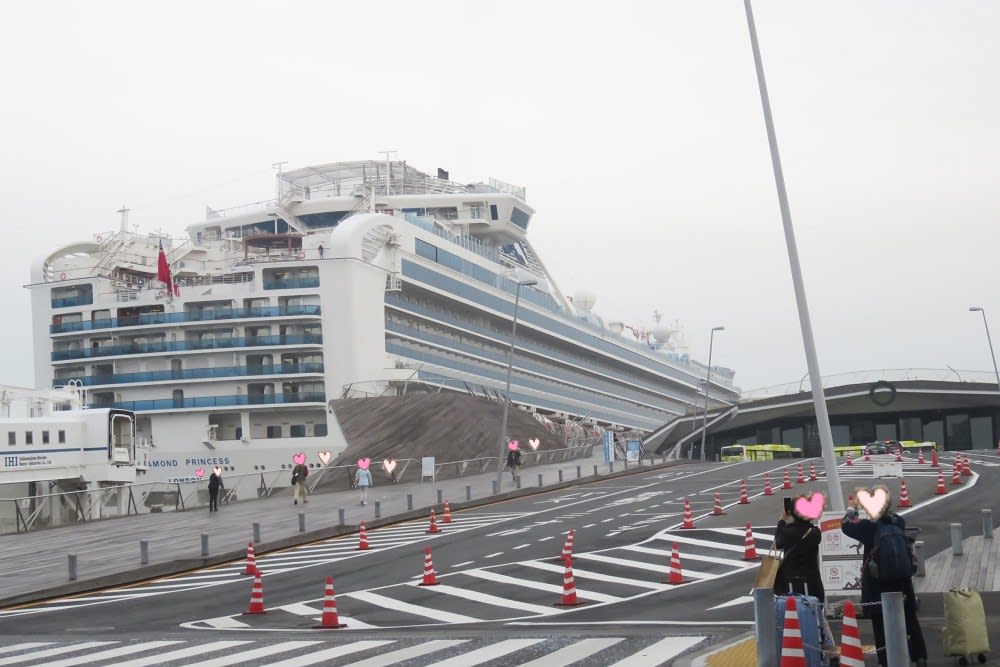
(514, 461)
(299, 474)
(886, 568)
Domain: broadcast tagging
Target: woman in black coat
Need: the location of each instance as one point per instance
(799, 540)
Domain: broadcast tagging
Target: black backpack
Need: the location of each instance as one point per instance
(892, 558)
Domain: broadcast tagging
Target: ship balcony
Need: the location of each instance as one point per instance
(298, 399)
(184, 346)
(178, 318)
(194, 374)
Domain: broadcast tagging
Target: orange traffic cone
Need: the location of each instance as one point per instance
(941, 490)
(744, 499)
(430, 576)
(768, 491)
(868, 455)
(800, 479)
(256, 596)
(849, 461)
(362, 537)
(446, 518)
(956, 473)
(904, 497)
(920, 457)
(329, 619)
(793, 653)
(569, 598)
(675, 577)
(433, 528)
(934, 458)
(850, 643)
(688, 521)
(899, 455)
(966, 470)
(749, 548)
(567, 550)
(251, 560)
(812, 472)
(717, 511)
(787, 483)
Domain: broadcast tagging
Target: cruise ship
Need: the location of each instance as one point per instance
(367, 278)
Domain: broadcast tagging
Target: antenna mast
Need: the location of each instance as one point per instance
(124, 212)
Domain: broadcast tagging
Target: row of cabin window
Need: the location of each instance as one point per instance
(29, 437)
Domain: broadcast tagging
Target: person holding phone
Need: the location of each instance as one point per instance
(799, 540)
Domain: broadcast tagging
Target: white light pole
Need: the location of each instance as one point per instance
(708, 386)
(506, 395)
(990, 341)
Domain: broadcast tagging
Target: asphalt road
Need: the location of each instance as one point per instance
(499, 576)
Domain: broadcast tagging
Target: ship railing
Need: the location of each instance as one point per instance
(871, 376)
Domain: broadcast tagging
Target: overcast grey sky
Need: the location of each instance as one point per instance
(635, 126)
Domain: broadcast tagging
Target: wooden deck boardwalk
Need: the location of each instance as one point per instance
(978, 567)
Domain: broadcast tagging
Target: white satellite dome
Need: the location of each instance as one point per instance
(662, 334)
(616, 327)
(584, 300)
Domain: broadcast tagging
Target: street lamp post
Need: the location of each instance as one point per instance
(510, 364)
(989, 340)
(708, 387)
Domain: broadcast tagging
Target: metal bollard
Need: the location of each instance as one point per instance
(440, 497)
(302, 522)
(204, 544)
(611, 466)
(896, 652)
(579, 472)
(519, 481)
(144, 552)
(918, 549)
(496, 488)
(409, 501)
(256, 533)
(987, 524)
(560, 475)
(378, 509)
(766, 627)
(340, 517)
(956, 539)
(71, 564)
(468, 492)
(626, 463)
(595, 470)
(540, 480)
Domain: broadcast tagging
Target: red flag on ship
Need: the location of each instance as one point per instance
(163, 272)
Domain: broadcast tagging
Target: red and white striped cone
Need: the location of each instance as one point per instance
(688, 521)
(362, 537)
(851, 654)
(966, 470)
(569, 598)
(800, 479)
(256, 596)
(675, 576)
(849, 461)
(717, 510)
(430, 576)
(329, 621)
(744, 498)
(567, 550)
(251, 560)
(956, 473)
(793, 653)
(899, 456)
(768, 491)
(868, 456)
(920, 458)
(749, 548)
(446, 517)
(941, 490)
(904, 496)
(812, 472)
(934, 458)
(787, 483)
(433, 527)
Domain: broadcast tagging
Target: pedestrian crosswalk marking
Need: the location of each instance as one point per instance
(329, 654)
(488, 653)
(406, 607)
(396, 657)
(178, 654)
(262, 652)
(664, 569)
(653, 655)
(597, 576)
(110, 653)
(48, 653)
(22, 647)
(574, 652)
(537, 585)
(485, 598)
(701, 558)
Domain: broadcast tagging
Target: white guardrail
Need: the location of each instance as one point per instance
(70, 507)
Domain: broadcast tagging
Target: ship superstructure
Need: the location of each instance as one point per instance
(366, 278)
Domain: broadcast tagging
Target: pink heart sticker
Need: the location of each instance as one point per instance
(874, 502)
(810, 506)
(325, 457)
(389, 465)
(199, 473)
(534, 442)
(217, 470)
(299, 459)
(512, 445)
(364, 463)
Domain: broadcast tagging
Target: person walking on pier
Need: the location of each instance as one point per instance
(362, 480)
(299, 474)
(514, 460)
(214, 484)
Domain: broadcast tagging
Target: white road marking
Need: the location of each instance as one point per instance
(520, 546)
(59, 650)
(189, 652)
(499, 553)
(242, 656)
(330, 654)
(487, 653)
(396, 657)
(544, 539)
(406, 607)
(485, 598)
(574, 652)
(468, 562)
(537, 585)
(683, 539)
(700, 558)
(743, 599)
(660, 652)
(590, 525)
(111, 653)
(22, 647)
(687, 572)
(597, 576)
